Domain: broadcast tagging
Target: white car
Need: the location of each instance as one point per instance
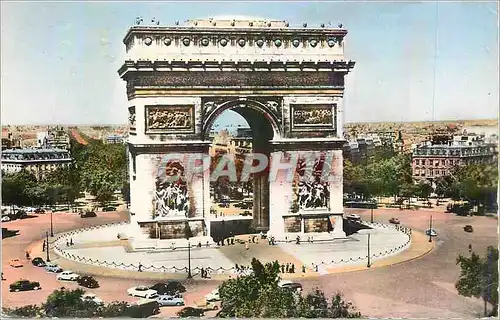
(213, 296)
(166, 300)
(143, 292)
(431, 232)
(92, 298)
(5, 219)
(68, 276)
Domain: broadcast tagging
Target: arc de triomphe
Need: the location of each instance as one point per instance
(288, 83)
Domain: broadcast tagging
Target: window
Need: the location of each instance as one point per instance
(431, 162)
(443, 172)
(443, 162)
(417, 162)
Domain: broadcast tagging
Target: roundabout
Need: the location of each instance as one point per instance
(417, 282)
(98, 246)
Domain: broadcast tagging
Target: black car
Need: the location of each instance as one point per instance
(88, 282)
(468, 228)
(169, 288)
(38, 262)
(39, 210)
(24, 285)
(191, 312)
(88, 214)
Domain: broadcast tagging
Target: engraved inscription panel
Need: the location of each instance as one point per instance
(169, 119)
(313, 117)
(131, 116)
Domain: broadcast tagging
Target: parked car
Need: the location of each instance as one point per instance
(143, 309)
(88, 214)
(431, 232)
(468, 228)
(166, 300)
(88, 282)
(90, 297)
(68, 276)
(39, 211)
(246, 213)
(213, 296)
(5, 219)
(15, 263)
(212, 305)
(143, 292)
(168, 288)
(191, 312)
(50, 267)
(24, 285)
(394, 221)
(38, 262)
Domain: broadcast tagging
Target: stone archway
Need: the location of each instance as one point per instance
(287, 82)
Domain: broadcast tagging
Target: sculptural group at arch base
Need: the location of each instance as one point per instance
(288, 83)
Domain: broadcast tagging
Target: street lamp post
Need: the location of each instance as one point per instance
(189, 261)
(51, 225)
(430, 229)
(47, 245)
(369, 262)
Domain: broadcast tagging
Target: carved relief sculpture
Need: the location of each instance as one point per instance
(131, 116)
(169, 118)
(310, 192)
(313, 117)
(208, 107)
(171, 198)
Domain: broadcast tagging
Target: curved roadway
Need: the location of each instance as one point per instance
(423, 287)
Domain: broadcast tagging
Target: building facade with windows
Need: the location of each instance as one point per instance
(430, 161)
(37, 161)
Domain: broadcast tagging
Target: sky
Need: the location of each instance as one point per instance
(414, 61)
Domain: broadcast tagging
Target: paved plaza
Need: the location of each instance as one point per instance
(422, 287)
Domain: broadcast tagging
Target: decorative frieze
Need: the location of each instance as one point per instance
(237, 79)
(169, 119)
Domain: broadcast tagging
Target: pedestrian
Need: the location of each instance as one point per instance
(71, 242)
(27, 255)
(287, 268)
(3, 277)
(273, 240)
(208, 244)
(292, 268)
(316, 268)
(283, 268)
(199, 244)
(237, 267)
(303, 269)
(470, 248)
(297, 240)
(67, 243)
(202, 273)
(246, 246)
(140, 267)
(232, 241)
(253, 239)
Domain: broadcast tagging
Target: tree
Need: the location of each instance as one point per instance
(68, 303)
(479, 277)
(258, 295)
(477, 183)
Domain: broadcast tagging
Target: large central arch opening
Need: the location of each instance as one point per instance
(237, 129)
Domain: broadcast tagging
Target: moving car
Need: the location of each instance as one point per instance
(15, 263)
(90, 297)
(246, 213)
(394, 221)
(166, 300)
(39, 210)
(353, 216)
(88, 282)
(24, 285)
(468, 228)
(67, 276)
(191, 312)
(212, 305)
(88, 214)
(292, 286)
(213, 296)
(38, 262)
(50, 267)
(143, 292)
(5, 219)
(143, 309)
(431, 232)
(168, 288)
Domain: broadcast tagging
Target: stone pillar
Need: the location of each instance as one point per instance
(336, 194)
